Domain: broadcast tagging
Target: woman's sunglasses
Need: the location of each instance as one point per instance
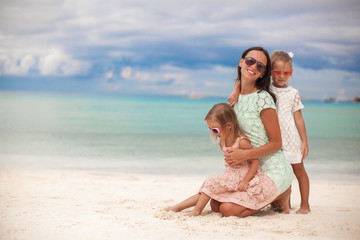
(251, 61)
(278, 73)
(215, 130)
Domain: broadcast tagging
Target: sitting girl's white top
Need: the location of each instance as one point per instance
(288, 102)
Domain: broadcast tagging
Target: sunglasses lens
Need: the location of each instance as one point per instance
(260, 67)
(287, 74)
(251, 61)
(215, 130)
(276, 73)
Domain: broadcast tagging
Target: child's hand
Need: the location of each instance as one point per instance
(233, 98)
(243, 185)
(304, 150)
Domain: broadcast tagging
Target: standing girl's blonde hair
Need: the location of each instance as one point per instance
(280, 56)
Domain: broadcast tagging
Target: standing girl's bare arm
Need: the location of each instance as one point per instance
(300, 125)
(235, 94)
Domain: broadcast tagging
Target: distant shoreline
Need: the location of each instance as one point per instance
(190, 97)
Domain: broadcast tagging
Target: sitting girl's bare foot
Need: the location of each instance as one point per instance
(303, 210)
(193, 214)
(172, 208)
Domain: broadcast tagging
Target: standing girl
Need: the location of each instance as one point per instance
(292, 125)
(244, 185)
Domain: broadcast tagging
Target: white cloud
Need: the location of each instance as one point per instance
(212, 80)
(126, 73)
(129, 73)
(16, 63)
(30, 16)
(48, 62)
(109, 75)
(55, 62)
(215, 80)
(317, 84)
(127, 23)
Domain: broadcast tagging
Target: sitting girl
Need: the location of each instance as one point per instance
(245, 185)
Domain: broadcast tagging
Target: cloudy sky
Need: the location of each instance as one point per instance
(174, 47)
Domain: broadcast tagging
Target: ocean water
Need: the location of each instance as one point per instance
(161, 135)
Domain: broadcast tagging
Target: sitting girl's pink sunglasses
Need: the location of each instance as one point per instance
(215, 130)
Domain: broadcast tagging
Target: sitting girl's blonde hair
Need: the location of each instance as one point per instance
(223, 113)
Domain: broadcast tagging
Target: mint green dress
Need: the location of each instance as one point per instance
(248, 110)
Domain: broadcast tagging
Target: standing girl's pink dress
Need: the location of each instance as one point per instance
(260, 192)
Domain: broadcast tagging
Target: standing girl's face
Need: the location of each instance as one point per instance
(281, 72)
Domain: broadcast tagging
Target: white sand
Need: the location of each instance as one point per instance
(93, 205)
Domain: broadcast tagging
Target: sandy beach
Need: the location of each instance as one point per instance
(72, 204)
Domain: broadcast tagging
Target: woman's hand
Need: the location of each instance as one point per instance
(235, 157)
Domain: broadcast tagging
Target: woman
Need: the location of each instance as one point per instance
(256, 112)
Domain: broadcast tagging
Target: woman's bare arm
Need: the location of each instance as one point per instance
(272, 128)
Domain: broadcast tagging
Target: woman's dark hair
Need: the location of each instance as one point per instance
(262, 83)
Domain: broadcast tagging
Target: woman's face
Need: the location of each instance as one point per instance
(251, 72)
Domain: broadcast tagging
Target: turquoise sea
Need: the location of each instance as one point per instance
(153, 134)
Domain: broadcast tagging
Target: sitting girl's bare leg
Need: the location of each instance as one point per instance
(189, 202)
(200, 205)
(247, 212)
